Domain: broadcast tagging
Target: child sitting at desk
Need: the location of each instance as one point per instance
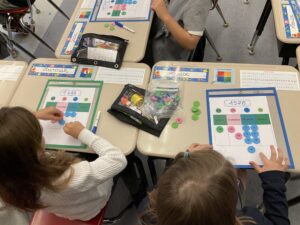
(30, 179)
(180, 26)
(201, 188)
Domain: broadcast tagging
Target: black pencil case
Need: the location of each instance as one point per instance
(100, 50)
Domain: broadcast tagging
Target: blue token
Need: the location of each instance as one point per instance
(246, 110)
(254, 127)
(67, 114)
(247, 134)
(251, 149)
(246, 127)
(73, 114)
(254, 134)
(256, 140)
(62, 122)
(75, 99)
(248, 141)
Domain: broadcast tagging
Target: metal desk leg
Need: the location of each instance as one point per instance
(260, 26)
(58, 9)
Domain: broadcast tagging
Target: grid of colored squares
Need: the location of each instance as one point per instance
(86, 72)
(237, 119)
(85, 15)
(70, 106)
(224, 76)
(120, 7)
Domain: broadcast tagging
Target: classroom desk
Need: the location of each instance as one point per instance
(177, 140)
(119, 134)
(8, 87)
(286, 46)
(137, 41)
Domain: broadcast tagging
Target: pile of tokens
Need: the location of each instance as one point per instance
(196, 110)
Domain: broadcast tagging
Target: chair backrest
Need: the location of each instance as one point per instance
(22, 10)
(41, 217)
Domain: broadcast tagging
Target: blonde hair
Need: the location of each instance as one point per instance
(200, 189)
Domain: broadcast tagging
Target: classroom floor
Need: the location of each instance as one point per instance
(231, 42)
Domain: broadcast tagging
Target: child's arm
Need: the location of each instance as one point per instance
(273, 182)
(49, 113)
(189, 36)
(110, 162)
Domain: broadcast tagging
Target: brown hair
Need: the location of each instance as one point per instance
(24, 169)
(199, 190)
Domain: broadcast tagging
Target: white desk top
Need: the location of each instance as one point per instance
(118, 133)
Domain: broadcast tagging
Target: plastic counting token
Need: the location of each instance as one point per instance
(251, 149)
(260, 110)
(231, 129)
(238, 136)
(75, 99)
(179, 120)
(195, 109)
(195, 117)
(233, 110)
(175, 125)
(246, 110)
(254, 127)
(256, 140)
(248, 141)
(106, 25)
(220, 129)
(218, 110)
(52, 98)
(246, 127)
(196, 103)
(62, 122)
(198, 112)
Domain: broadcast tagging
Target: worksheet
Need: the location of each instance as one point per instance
(78, 101)
(125, 10)
(245, 122)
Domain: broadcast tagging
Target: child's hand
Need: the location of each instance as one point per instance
(198, 147)
(159, 7)
(279, 163)
(49, 113)
(73, 129)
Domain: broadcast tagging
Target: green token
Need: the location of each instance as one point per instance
(260, 110)
(195, 117)
(195, 109)
(196, 103)
(218, 110)
(106, 25)
(177, 98)
(53, 98)
(220, 129)
(197, 113)
(112, 28)
(175, 125)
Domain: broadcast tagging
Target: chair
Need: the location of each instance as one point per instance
(197, 54)
(41, 217)
(16, 16)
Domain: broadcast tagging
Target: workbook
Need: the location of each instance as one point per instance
(244, 122)
(78, 100)
(121, 10)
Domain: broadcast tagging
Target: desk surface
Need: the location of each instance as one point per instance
(177, 140)
(279, 24)
(119, 134)
(137, 41)
(8, 87)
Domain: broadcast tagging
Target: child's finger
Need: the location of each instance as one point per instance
(263, 157)
(280, 155)
(273, 153)
(256, 166)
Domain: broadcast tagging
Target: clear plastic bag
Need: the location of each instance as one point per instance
(163, 98)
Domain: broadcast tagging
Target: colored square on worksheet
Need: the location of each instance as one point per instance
(224, 76)
(116, 13)
(85, 14)
(86, 72)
